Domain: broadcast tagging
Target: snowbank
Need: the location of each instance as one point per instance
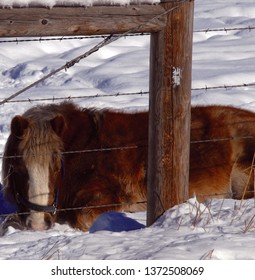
(214, 230)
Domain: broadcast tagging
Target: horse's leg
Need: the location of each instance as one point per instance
(242, 180)
(96, 198)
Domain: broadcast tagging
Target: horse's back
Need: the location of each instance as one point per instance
(222, 148)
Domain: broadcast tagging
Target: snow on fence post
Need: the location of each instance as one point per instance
(169, 110)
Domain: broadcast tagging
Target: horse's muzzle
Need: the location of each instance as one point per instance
(39, 221)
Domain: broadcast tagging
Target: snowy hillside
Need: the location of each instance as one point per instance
(223, 56)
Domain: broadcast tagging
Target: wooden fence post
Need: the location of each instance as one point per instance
(169, 110)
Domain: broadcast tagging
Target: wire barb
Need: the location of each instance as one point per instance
(82, 208)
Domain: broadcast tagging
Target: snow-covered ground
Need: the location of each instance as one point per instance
(218, 229)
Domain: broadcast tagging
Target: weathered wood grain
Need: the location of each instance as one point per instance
(68, 21)
(169, 117)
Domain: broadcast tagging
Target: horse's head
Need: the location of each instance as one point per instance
(32, 167)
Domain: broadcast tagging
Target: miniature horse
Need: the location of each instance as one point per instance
(61, 162)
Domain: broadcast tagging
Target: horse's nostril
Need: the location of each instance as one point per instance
(48, 223)
(37, 221)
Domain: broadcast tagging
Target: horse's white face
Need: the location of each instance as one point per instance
(36, 175)
(38, 193)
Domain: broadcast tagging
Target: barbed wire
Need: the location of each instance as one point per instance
(141, 93)
(221, 139)
(63, 38)
(226, 87)
(224, 29)
(226, 194)
(53, 99)
(108, 40)
(80, 208)
(123, 148)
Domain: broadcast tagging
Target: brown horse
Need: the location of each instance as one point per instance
(62, 162)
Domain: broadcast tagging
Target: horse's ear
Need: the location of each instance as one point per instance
(58, 124)
(18, 125)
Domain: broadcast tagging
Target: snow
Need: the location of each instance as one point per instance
(86, 3)
(216, 230)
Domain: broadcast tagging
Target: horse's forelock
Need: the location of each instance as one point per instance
(40, 142)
